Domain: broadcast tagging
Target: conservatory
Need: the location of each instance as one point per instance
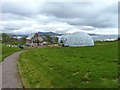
(76, 39)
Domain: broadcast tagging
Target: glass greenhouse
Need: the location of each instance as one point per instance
(76, 39)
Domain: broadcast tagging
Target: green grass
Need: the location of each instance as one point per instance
(6, 51)
(16, 43)
(70, 67)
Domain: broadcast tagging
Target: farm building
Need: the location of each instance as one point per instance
(34, 40)
(76, 39)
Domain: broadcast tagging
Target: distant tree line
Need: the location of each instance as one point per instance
(50, 39)
(10, 40)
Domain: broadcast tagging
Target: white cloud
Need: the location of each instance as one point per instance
(26, 16)
(107, 31)
(103, 31)
(54, 26)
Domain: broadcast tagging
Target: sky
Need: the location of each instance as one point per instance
(30, 16)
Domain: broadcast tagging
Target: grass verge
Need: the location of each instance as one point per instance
(6, 51)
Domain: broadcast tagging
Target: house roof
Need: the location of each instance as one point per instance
(31, 36)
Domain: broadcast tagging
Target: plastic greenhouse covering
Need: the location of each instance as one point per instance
(76, 39)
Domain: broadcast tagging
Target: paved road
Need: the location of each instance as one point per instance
(10, 75)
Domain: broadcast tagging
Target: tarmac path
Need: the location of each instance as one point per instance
(9, 74)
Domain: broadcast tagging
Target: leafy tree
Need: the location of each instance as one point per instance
(56, 39)
(48, 38)
(23, 38)
(5, 38)
(10, 40)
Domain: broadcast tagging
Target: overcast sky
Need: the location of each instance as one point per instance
(29, 16)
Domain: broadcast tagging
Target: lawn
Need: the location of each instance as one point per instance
(6, 51)
(70, 67)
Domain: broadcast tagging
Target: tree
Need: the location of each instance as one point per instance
(23, 38)
(56, 39)
(5, 38)
(48, 38)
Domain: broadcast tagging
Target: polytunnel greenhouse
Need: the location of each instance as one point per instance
(76, 39)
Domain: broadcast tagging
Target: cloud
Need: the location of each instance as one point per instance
(25, 16)
(21, 7)
(57, 27)
(92, 14)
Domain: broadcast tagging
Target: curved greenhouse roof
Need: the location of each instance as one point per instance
(77, 39)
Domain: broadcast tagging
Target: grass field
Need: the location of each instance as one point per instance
(70, 67)
(16, 43)
(6, 51)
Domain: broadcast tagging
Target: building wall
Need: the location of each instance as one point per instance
(35, 41)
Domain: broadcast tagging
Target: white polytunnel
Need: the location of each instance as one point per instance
(76, 39)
